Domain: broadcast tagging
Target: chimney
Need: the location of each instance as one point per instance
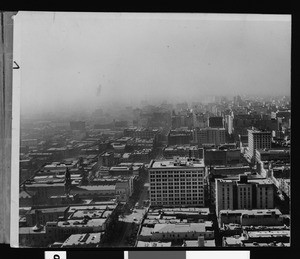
(201, 241)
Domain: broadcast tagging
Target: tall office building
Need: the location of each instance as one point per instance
(244, 193)
(258, 140)
(264, 195)
(177, 182)
(224, 194)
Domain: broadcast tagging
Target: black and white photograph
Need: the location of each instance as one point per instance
(151, 130)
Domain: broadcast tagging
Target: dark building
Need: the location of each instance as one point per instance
(215, 122)
(180, 137)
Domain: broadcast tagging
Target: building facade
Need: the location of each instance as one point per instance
(258, 140)
(244, 193)
(177, 182)
(214, 136)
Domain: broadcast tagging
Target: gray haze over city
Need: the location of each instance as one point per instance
(83, 61)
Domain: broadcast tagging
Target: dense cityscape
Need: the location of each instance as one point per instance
(212, 173)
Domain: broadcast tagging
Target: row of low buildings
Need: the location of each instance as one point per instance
(177, 227)
(52, 190)
(88, 180)
(45, 225)
(111, 158)
(248, 228)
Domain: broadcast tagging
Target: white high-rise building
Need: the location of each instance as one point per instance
(229, 123)
(177, 182)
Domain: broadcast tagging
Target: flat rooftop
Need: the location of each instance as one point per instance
(80, 214)
(193, 210)
(273, 151)
(108, 206)
(119, 168)
(146, 231)
(194, 243)
(234, 240)
(264, 234)
(97, 187)
(252, 212)
(261, 181)
(179, 227)
(49, 210)
(82, 239)
(172, 164)
(183, 147)
(79, 223)
(153, 244)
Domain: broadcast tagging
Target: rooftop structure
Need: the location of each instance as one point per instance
(83, 240)
(177, 163)
(154, 244)
(251, 212)
(179, 228)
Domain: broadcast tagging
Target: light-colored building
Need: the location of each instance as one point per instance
(177, 182)
(258, 140)
(229, 124)
(224, 194)
(61, 230)
(153, 244)
(86, 240)
(251, 217)
(264, 194)
(244, 193)
(176, 231)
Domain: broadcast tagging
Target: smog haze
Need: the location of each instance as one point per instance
(89, 60)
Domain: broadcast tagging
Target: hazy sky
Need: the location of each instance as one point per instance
(73, 60)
